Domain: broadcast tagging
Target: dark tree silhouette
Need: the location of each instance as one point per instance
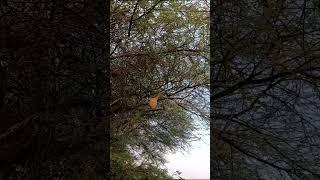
(265, 89)
(53, 94)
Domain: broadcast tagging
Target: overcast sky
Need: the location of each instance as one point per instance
(196, 163)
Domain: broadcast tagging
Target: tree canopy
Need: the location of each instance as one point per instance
(53, 89)
(265, 89)
(158, 49)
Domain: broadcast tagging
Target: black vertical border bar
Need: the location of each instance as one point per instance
(211, 89)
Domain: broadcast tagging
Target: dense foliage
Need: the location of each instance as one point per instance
(157, 48)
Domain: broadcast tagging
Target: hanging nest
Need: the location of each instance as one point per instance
(153, 102)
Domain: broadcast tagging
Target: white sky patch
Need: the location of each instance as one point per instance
(194, 164)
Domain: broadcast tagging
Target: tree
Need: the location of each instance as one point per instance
(265, 89)
(53, 89)
(159, 48)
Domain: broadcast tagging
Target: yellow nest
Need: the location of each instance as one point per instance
(153, 102)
